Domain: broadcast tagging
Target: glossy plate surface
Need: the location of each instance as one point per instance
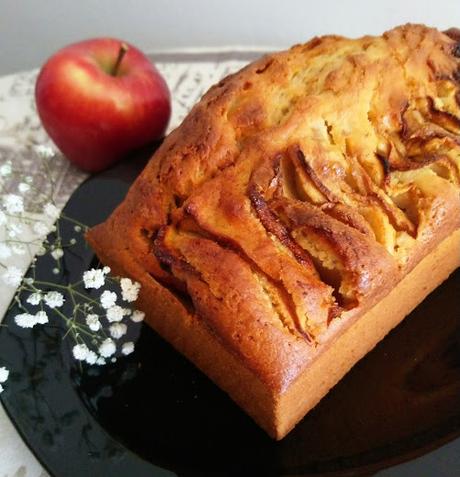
(154, 414)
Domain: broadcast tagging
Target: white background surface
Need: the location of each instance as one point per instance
(30, 30)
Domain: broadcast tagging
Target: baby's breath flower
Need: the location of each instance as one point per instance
(13, 203)
(137, 316)
(107, 348)
(108, 299)
(80, 352)
(55, 271)
(41, 251)
(14, 230)
(34, 298)
(4, 373)
(28, 280)
(5, 251)
(29, 179)
(18, 249)
(40, 229)
(129, 289)
(93, 323)
(44, 151)
(12, 276)
(54, 299)
(41, 317)
(23, 187)
(25, 320)
(117, 330)
(51, 210)
(91, 357)
(6, 169)
(57, 253)
(94, 278)
(127, 348)
(115, 313)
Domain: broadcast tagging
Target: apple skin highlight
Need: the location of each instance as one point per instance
(96, 118)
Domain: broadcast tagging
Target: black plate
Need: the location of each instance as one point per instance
(154, 414)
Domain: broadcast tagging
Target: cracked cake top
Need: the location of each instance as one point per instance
(298, 191)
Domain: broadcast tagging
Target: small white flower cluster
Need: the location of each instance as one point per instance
(23, 231)
(4, 373)
(103, 322)
(13, 204)
(97, 326)
(107, 321)
(95, 278)
(12, 276)
(51, 211)
(113, 313)
(28, 320)
(53, 299)
(129, 289)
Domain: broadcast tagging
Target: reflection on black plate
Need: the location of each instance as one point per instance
(154, 414)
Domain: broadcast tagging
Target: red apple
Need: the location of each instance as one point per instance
(99, 99)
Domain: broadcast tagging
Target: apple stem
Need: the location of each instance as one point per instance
(121, 53)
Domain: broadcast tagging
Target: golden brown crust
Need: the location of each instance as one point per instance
(297, 190)
(351, 343)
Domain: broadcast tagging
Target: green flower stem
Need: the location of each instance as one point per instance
(58, 243)
(70, 322)
(20, 305)
(66, 245)
(49, 176)
(22, 218)
(24, 242)
(76, 222)
(47, 197)
(89, 300)
(73, 325)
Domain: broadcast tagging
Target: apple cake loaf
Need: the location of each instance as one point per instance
(303, 208)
